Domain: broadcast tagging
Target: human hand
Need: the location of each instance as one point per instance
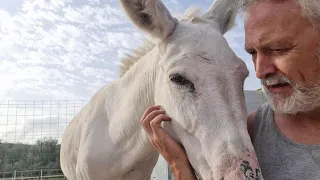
(174, 153)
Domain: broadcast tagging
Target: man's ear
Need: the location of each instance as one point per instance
(151, 16)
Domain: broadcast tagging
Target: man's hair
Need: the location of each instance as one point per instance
(310, 9)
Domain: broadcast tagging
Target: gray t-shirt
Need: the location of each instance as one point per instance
(281, 158)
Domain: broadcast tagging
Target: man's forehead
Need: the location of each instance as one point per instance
(269, 41)
(268, 27)
(277, 5)
(267, 12)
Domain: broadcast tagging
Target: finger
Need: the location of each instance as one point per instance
(149, 110)
(146, 121)
(155, 124)
(150, 117)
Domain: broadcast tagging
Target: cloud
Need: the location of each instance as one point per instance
(175, 2)
(49, 45)
(70, 38)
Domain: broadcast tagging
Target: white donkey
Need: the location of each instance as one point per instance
(194, 75)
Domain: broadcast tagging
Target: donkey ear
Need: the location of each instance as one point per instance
(223, 12)
(150, 16)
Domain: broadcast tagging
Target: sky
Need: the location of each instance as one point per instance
(68, 49)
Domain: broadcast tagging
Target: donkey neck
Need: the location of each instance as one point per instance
(135, 93)
(139, 81)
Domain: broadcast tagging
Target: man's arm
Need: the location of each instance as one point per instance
(182, 170)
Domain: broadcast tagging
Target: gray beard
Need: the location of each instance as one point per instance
(303, 99)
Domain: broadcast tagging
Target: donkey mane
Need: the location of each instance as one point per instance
(192, 14)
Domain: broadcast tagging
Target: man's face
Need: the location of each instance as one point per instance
(285, 51)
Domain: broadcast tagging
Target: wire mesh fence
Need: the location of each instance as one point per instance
(28, 121)
(41, 174)
(30, 135)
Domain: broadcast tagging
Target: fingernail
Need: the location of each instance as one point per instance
(161, 107)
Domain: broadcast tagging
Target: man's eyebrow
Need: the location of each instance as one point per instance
(248, 49)
(281, 41)
(272, 42)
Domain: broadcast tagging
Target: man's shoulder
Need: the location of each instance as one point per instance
(252, 116)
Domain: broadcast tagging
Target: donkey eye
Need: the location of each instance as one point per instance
(178, 79)
(182, 81)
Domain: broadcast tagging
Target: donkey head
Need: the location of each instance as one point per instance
(199, 82)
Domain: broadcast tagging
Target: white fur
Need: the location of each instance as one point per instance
(105, 141)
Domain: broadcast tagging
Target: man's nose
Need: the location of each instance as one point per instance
(264, 66)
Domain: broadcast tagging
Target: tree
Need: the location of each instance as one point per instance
(42, 155)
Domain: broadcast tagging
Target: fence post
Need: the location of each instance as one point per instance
(170, 175)
(41, 174)
(161, 170)
(15, 175)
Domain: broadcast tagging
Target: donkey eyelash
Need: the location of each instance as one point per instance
(182, 82)
(179, 79)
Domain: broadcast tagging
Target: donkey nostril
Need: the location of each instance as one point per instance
(246, 166)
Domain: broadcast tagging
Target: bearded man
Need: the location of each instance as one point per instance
(283, 37)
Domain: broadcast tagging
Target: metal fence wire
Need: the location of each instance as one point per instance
(41, 174)
(30, 136)
(28, 121)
